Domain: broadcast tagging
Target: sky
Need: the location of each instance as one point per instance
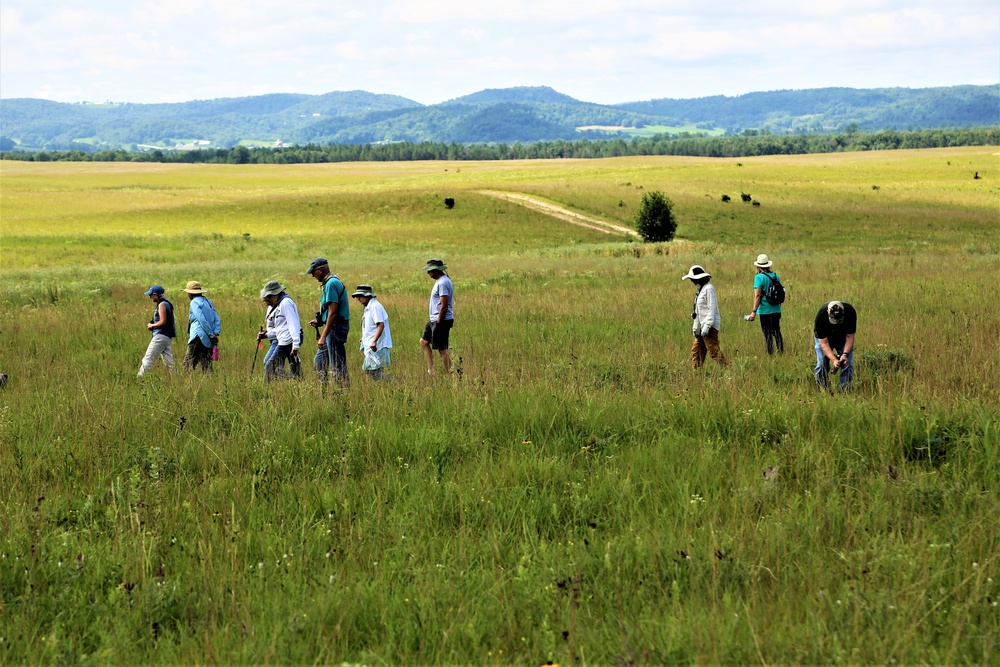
(430, 51)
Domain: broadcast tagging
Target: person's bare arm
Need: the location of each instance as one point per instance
(758, 294)
(379, 328)
(328, 327)
(824, 345)
(161, 317)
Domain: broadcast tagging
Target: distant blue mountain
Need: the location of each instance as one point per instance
(517, 95)
(832, 108)
(505, 115)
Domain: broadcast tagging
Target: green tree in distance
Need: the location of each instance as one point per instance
(655, 219)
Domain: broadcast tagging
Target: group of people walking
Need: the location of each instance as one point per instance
(834, 327)
(204, 327)
(283, 327)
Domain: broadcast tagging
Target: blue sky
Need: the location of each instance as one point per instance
(435, 50)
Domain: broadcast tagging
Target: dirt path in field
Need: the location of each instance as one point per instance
(559, 212)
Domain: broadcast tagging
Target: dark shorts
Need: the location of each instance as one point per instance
(438, 334)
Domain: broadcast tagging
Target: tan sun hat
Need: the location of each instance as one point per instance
(763, 262)
(194, 287)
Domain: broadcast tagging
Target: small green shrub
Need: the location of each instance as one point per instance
(879, 362)
(655, 219)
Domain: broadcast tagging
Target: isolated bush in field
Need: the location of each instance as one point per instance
(655, 219)
(879, 362)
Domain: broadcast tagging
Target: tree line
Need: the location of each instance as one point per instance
(749, 143)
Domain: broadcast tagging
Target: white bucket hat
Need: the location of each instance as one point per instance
(696, 272)
(763, 262)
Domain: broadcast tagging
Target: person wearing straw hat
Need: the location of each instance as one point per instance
(376, 340)
(437, 332)
(833, 332)
(284, 331)
(769, 313)
(707, 320)
(204, 327)
(163, 330)
(334, 316)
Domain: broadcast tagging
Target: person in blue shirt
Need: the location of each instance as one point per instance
(161, 326)
(334, 317)
(769, 313)
(437, 331)
(204, 327)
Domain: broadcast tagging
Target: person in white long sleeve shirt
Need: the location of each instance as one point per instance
(707, 320)
(284, 329)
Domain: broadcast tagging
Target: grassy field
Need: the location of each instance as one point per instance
(577, 494)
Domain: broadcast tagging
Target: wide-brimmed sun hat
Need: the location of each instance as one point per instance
(763, 262)
(435, 264)
(364, 290)
(194, 287)
(316, 263)
(155, 289)
(696, 272)
(835, 311)
(271, 288)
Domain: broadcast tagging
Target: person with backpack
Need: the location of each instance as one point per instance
(163, 330)
(334, 317)
(768, 295)
(707, 320)
(283, 330)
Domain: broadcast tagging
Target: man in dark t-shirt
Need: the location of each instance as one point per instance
(833, 332)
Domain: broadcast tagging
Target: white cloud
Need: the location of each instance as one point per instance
(350, 50)
(432, 50)
(168, 11)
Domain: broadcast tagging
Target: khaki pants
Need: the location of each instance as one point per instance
(159, 347)
(707, 344)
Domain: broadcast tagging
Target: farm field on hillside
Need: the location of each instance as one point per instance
(577, 493)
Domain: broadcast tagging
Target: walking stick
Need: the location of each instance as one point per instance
(260, 343)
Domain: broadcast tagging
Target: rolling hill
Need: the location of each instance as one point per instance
(520, 114)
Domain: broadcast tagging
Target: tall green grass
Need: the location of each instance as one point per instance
(577, 494)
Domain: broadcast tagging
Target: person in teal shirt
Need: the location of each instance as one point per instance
(334, 317)
(769, 313)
